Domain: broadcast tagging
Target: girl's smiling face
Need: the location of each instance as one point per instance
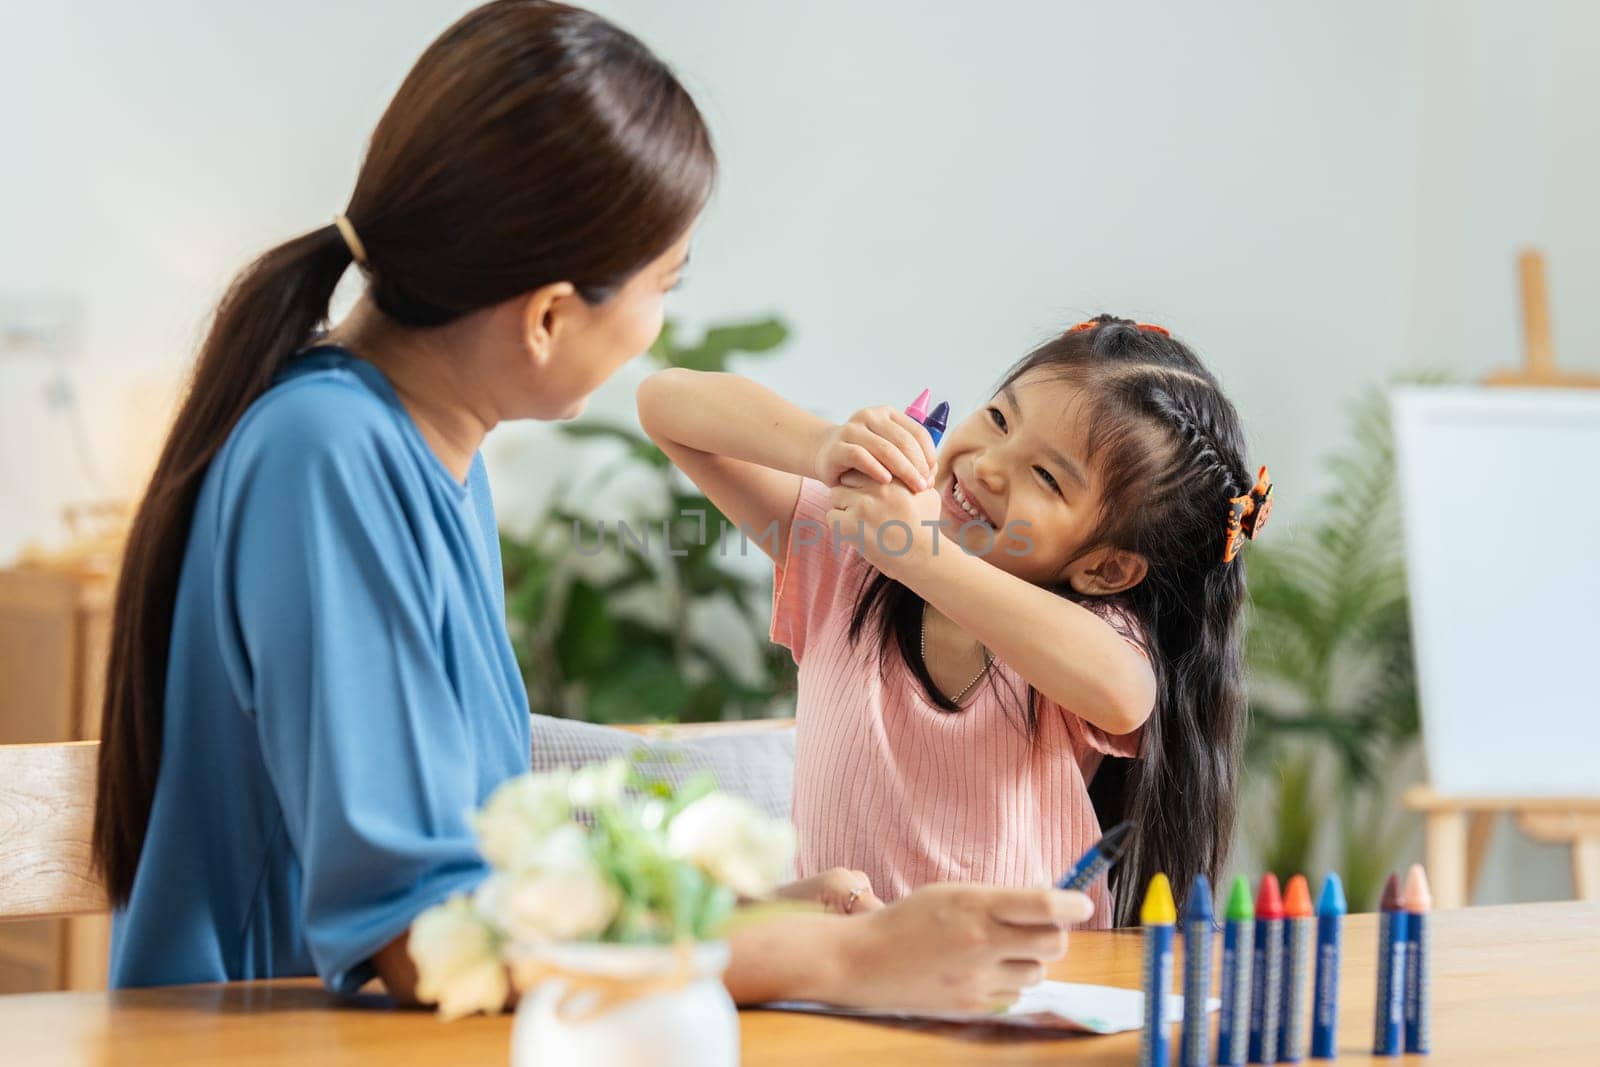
(1015, 481)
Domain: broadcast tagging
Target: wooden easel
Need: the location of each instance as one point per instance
(1538, 353)
(1456, 829)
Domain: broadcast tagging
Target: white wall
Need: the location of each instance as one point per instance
(1315, 194)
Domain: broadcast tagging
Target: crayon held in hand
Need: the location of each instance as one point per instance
(1101, 855)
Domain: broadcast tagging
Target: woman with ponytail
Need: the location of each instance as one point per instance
(310, 683)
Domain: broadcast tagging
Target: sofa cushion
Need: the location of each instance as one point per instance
(757, 764)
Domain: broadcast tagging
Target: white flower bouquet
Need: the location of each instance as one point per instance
(599, 855)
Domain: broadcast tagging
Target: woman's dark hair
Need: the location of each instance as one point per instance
(532, 143)
(1169, 450)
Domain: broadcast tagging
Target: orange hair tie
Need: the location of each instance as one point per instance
(1247, 515)
(1089, 324)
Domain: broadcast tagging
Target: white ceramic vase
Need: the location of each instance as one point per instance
(624, 1006)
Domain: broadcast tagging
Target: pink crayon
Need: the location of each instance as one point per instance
(919, 407)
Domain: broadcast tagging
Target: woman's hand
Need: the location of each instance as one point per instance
(897, 529)
(840, 890)
(881, 443)
(958, 947)
(942, 948)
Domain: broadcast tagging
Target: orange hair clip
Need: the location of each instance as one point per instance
(1089, 324)
(1247, 515)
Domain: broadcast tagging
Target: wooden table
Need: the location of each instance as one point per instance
(1512, 985)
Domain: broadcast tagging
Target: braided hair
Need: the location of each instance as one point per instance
(1169, 449)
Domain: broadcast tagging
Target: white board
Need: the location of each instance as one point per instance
(1500, 499)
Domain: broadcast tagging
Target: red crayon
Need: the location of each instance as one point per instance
(1266, 999)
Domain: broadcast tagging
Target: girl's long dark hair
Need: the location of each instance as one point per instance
(531, 143)
(1169, 448)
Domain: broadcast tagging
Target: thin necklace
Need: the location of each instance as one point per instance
(922, 646)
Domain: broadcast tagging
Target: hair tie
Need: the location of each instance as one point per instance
(352, 241)
(1089, 324)
(1247, 515)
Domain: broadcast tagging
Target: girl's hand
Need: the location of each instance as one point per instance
(897, 528)
(960, 947)
(881, 443)
(840, 890)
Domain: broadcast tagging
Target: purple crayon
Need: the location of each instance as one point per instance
(937, 420)
(1391, 971)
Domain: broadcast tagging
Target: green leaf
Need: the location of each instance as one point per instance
(643, 687)
(717, 904)
(721, 342)
(1296, 817)
(640, 447)
(587, 637)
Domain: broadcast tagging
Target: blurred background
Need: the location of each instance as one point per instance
(1323, 198)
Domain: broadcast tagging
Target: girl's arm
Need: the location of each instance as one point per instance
(1065, 651)
(747, 448)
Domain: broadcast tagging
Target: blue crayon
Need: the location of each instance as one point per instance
(1391, 971)
(1197, 931)
(1159, 917)
(1238, 936)
(1418, 903)
(1102, 854)
(937, 420)
(1325, 1001)
(1266, 992)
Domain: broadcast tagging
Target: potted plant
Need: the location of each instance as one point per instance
(608, 896)
(585, 650)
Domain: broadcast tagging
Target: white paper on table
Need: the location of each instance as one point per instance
(1049, 1005)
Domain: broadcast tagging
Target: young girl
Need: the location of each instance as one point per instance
(1008, 642)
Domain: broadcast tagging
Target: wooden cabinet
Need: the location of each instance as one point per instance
(54, 631)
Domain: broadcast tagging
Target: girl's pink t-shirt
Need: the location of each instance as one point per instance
(889, 784)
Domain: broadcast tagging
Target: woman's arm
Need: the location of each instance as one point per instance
(943, 948)
(747, 448)
(398, 973)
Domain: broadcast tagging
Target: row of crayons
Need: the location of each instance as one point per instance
(1266, 962)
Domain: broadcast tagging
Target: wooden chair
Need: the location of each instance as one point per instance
(46, 823)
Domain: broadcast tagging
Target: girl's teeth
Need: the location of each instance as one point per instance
(968, 506)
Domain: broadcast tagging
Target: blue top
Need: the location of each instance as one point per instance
(341, 693)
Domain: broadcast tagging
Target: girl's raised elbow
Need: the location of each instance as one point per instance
(651, 399)
(1133, 702)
